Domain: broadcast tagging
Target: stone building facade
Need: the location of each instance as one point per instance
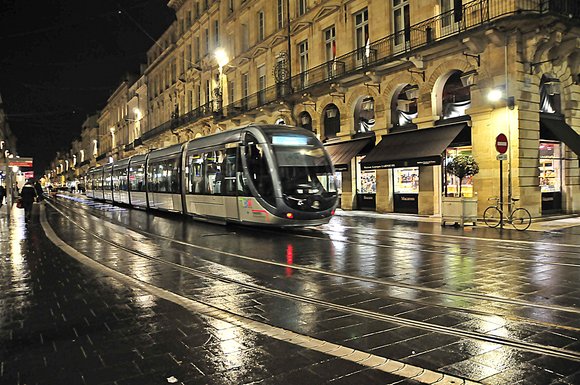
(395, 88)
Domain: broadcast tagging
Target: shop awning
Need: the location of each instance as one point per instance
(412, 148)
(562, 132)
(341, 153)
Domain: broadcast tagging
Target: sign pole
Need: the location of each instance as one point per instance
(501, 193)
(501, 145)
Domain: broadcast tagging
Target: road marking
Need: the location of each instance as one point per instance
(398, 368)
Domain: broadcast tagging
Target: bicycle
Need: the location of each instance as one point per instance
(519, 217)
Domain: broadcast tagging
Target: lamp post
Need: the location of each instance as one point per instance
(222, 59)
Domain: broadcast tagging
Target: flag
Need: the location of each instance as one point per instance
(368, 48)
(334, 50)
(333, 56)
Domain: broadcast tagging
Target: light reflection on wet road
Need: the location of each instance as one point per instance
(396, 260)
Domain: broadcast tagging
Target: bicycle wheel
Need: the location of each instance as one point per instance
(492, 216)
(521, 219)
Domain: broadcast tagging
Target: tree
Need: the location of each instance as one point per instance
(462, 166)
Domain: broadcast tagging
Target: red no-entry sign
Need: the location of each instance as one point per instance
(501, 143)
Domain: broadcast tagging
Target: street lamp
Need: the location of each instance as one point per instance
(222, 59)
(496, 94)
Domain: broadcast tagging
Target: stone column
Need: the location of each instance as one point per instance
(348, 187)
(427, 190)
(384, 196)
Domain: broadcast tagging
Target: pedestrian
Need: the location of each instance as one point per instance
(2, 194)
(39, 191)
(27, 194)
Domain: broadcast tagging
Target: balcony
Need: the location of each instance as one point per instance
(379, 55)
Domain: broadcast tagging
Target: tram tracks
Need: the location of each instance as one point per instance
(519, 344)
(370, 280)
(378, 281)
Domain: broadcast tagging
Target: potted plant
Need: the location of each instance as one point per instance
(460, 209)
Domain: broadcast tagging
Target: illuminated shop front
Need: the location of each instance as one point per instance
(551, 175)
(342, 155)
(412, 152)
(451, 182)
(406, 189)
(555, 135)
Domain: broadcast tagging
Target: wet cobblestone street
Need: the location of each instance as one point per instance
(363, 300)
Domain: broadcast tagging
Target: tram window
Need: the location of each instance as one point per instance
(213, 174)
(258, 169)
(229, 171)
(164, 177)
(137, 178)
(171, 176)
(152, 182)
(242, 183)
(195, 182)
(123, 179)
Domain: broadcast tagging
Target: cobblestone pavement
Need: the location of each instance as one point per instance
(75, 324)
(64, 323)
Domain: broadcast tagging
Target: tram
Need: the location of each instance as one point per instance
(259, 174)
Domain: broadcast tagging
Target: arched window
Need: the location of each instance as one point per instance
(404, 106)
(550, 101)
(456, 97)
(331, 116)
(305, 120)
(364, 114)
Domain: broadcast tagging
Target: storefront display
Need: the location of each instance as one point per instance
(451, 182)
(406, 190)
(550, 167)
(406, 180)
(551, 176)
(366, 188)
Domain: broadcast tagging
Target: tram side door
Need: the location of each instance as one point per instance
(229, 182)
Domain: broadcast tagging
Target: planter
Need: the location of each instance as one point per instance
(458, 210)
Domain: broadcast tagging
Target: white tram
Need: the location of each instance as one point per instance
(260, 174)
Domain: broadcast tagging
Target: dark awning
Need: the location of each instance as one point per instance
(341, 153)
(412, 148)
(562, 132)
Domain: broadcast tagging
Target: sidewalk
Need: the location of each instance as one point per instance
(548, 223)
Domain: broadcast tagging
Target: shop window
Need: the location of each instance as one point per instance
(366, 181)
(406, 180)
(550, 166)
(451, 182)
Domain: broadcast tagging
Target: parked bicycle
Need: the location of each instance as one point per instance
(518, 217)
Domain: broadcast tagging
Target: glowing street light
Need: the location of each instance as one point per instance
(495, 95)
(221, 57)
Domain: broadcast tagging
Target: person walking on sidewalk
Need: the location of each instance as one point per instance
(39, 191)
(2, 195)
(28, 194)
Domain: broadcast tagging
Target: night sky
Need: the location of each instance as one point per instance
(62, 59)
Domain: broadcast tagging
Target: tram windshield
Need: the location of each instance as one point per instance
(305, 171)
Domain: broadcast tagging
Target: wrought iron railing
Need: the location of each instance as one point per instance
(471, 15)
